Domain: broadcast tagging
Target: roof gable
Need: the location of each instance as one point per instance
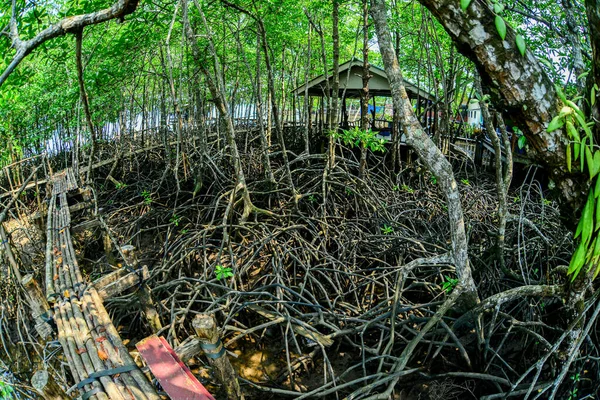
(351, 82)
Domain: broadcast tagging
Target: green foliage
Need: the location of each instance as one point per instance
(175, 219)
(223, 272)
(500, 23)
(449, 284)
(407, 189)
(362, 138)
(466, 182)
(581, 145)
(147, 196)
(520, 42)
(500, 26)
(387, 230)
(120, 185)
(6, 391)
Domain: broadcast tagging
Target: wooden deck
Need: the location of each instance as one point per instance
(99, 362)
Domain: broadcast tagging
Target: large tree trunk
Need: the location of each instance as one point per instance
(592, 8)
(518, 84)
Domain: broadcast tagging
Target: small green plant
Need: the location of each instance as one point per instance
(576, 377)
(184, 231)
(449, 284)
(348, 191)
(547, 202)
(120, 185)
(312, 198)
(396, 188)
(6, 391)
(466, 182)
(408, 189)
(147, 196)
(516, 199)
(175, 219)
(223, 272)
(433, 179)
(573, 394)
(357, 137)
(387, 230)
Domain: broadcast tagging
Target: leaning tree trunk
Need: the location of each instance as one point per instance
(85, 101)
(364, 94)
(216, 90)
(429, 153)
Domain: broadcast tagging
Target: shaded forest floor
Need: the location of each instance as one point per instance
(320, 301)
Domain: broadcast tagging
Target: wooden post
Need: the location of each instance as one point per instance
(108, 249)
(39, 306)
(9, 253)
(205, 326)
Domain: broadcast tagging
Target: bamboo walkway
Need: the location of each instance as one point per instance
(100, 364)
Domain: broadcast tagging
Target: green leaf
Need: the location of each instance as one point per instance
(500, 26)
(590, 162)
(575, 107)
(597, 222)
(572, 131)
(569, 158)
(556, 123)
(597, 161)
(520, 42)
(560, 93)
(578, 230)
(498, 8)
(582, 154)
(576, 147)
(585, 126)
(464, 4)
(577, 261)
(521, 142)
(593, 97)
(588, 218)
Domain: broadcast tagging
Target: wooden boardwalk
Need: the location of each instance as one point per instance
(100, 364)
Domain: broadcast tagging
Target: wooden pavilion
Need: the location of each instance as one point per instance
(351, 88)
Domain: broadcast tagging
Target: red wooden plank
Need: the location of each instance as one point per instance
(174, 376)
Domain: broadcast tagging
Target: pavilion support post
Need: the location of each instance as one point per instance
(322, 116)
(205, 326)
(374, 113)
(395, 142)
(309, 124)
(344, 114)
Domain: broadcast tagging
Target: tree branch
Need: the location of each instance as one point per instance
(67, 25)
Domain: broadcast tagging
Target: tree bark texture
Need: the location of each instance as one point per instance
(429, 153)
